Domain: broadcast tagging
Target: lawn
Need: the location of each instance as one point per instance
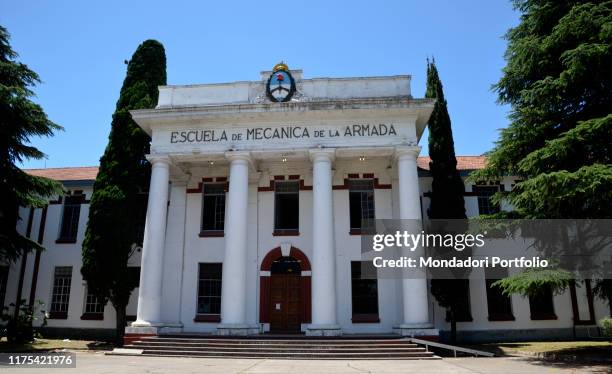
(44, 345)
(571, 350)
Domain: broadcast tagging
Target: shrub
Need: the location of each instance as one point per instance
(19, 328)
(606, 326)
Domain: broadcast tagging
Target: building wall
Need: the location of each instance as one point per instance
(262, 240)
(60, 254)
(523, 327)
(185, 249)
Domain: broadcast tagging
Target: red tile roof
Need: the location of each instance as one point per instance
(66, 174)
(463, 162)
(90, 172)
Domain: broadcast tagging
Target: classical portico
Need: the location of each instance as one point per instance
(242, 152)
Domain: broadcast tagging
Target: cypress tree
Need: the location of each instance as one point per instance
(112, 233)
(447, 187)
(20, 119)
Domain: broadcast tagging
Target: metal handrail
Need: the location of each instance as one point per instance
(453, 348)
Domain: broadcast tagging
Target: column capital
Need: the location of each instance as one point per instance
(238, 155)
(158, 159)
(322, 153)
(407, 151)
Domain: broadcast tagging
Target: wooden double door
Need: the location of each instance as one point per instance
(285, 303)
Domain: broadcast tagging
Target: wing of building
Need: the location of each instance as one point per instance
(258, 194)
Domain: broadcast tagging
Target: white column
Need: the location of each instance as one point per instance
(323, 252)
(174, 252)
(151, 268)
(233, 286)
(414, 288)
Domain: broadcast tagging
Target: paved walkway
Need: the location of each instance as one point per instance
(98, 363)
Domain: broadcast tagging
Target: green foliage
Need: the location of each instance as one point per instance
(531, 281)
(19, 326)
(606, 326)
(447, 186)
(117, 202)
(558, 83)
(585, 193)
(557, 80)
(603, 290)
(20, 120)
(579, 146)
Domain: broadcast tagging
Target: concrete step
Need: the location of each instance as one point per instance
(275, 341)
(141, 343)
(294, 355)
(280, 349)
(254, 357)
(298, 347)
(281, 337)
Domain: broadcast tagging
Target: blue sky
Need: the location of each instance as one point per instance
(78, 49)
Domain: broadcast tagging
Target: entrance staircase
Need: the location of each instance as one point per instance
(281, 347)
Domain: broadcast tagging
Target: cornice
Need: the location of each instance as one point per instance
(401, 102)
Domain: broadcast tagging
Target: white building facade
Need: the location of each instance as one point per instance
(257, 194)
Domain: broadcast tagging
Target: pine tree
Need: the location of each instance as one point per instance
(447, 187)
(20, 120)
(112, 233)
(558, 82)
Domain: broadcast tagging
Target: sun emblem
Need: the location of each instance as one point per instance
(280, 86)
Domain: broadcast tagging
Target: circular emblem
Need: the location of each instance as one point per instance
(280, 86)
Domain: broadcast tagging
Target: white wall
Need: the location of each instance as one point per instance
(520, 304)
(245, 92)
(261, 241)
(60, 254)
(185, 250)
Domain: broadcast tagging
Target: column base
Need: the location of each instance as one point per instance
(237, 329)
(154, 328)
(417, 330)
(323, 330)
(139, 329)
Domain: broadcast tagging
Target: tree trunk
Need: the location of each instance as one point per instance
(120, 324)
(453, 322)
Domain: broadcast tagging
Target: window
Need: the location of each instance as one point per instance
(4, 271)
(60, 296)
(286, 208)
(361, 204)
(364, 292)
(498, 304)
(209, 292)
(541, 305)
(94, 309)
(70, 219)
(463, 309)
(213, 209)
(484, 193)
